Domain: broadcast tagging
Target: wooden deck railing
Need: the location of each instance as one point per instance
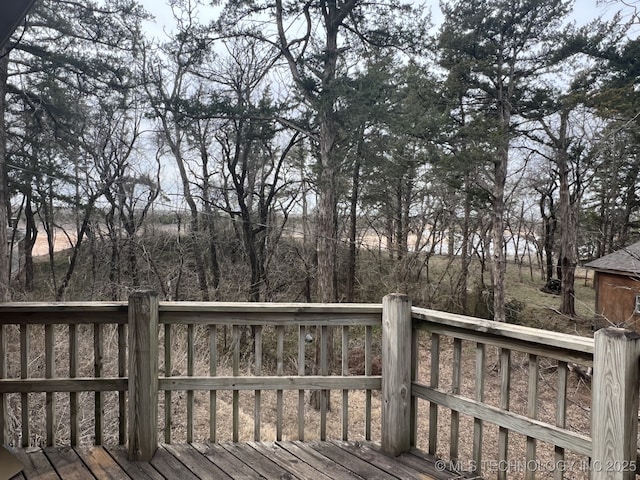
(162, 354)
(138, 362)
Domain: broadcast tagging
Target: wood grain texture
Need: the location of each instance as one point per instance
(143, 375)
(213, 369)
(74, 424)
(544, 432)
(270, 382)
(581, 346)
(434, 382)
(235, 396)
(4, 401)
(561, 414)
(614, 409)
(396, 374)
(302, 339)
(478, 427)
(49, 372)
(532, 412)
(98, 367)
(279, 372)
(368, 354)
(505, 397)
(24, 375)
(336, 460)
(257, 371)
(454, 439)
(345, 392)
(168, 371)
(191, 354)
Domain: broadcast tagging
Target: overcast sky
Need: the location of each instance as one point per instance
(584, 11)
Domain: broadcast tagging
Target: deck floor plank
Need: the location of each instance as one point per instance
(101, 464)
(234, 467)
(263, 465)
(319, 461)
(289, 461)
(423, 462)
(68, 464)
(333, 460)
(349, 461)
(197, 463)
(36, 465)
(389, 464)
(135, 470)
(169, 466)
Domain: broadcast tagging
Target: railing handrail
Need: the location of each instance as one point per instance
(211, 307)
(557, 345)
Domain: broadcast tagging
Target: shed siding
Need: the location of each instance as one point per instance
(616, 299)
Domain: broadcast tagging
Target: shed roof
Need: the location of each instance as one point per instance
(626, 260)
(13, 12)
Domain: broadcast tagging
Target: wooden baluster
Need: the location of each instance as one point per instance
(213, 371)
(455, 390)
(368, 352)
(257, 409)
(279, 372)
(4, 403)
(302, 338)
(434, 382)
(561, 415)
(532, 412)
(122, 373)
(50, 372)
(191, 340)
(324, 370)
(413, 414)
(235, 342)
(477, 423)
(24, 374)
(345, 392)
(505, 394)
(73, 396)
(168, 367)
(98, 370)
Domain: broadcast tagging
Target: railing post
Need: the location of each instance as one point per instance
(614, 410)
(396, 374)
(143, 375)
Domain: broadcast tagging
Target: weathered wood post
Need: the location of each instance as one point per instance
(143, 375)
(614, 410)
(396, 374)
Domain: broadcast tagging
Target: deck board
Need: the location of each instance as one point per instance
(318, 461)
(67, 463)
(233, 466)
(242, 461)
(101, 464)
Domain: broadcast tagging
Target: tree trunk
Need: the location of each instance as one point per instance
(499, 261)
(568, 253)
(31, 234)
(5, 294)
(353, 224)
(465, 259)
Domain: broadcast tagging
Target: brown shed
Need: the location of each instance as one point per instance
(617, 285)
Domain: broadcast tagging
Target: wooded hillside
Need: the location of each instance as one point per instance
(319, 151)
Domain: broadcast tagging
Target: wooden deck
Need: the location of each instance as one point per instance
(282, 460)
